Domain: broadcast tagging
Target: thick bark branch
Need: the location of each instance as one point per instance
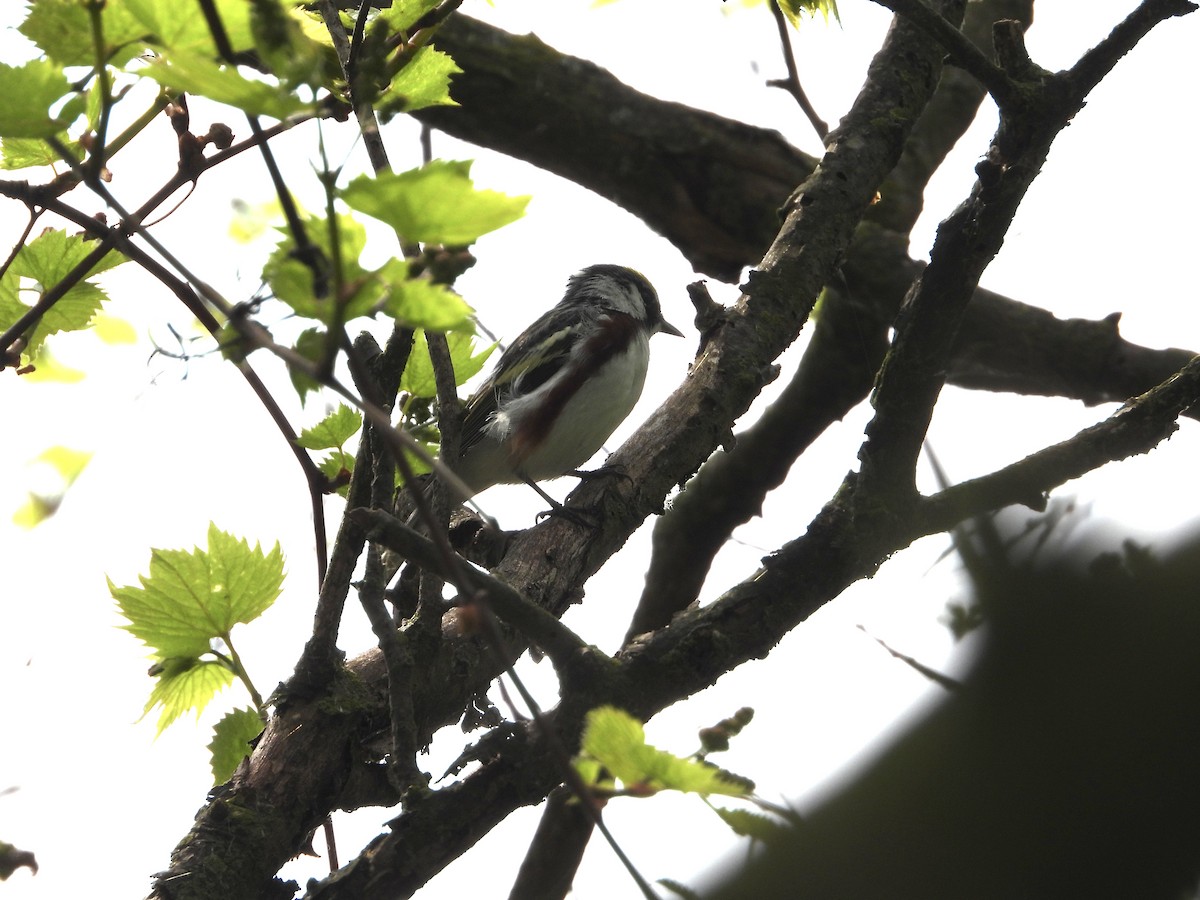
(307, 762)
(511, 94)
(549, 564)
(745, 623)
(709, 184)
(927, 328)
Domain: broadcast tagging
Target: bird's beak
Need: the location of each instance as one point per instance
(667, 328)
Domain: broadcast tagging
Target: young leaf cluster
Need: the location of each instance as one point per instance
(333, 433)
(41, 264)
(185, 610)
(271, 58)
(614, 750)
(615, 759)
(262, 58)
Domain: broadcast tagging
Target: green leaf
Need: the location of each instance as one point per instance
(231, 741)
(178, 24)
(67, 465)
(617, 741)
(415, 302)
(45, 261)
(793, 8)
(310, 344)
(417, 378)
(251, 222)
(332, 431)
(419, 303)
(338, 467)
(403, 14)
(423, 82)
(286, 43)
(194, 73)
(291, 281)
(29, 91)
(25, 153)
(62, 29)
(184, 685)
(436, 203)
(35, 510)
(192, 597)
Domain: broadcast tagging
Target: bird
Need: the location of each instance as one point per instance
(564, 385)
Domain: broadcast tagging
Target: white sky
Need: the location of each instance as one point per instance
(1110, 226)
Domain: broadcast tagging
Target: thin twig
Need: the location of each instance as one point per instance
(356, 40)
(98, 150)
(333, 24)
(537, 625)
(792, 83)
(330, 843)
(34, 214)
(944, 681)
(1139, 425)
(571, 776)
(402, 764)
(306, 251)
(110, 238)
(348, 50)
(449, 407)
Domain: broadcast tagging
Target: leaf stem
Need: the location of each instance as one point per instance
(234, 661)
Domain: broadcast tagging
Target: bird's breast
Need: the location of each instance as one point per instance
(578, 411)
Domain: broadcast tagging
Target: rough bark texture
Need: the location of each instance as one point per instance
(715, 188)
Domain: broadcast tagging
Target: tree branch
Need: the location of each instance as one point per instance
(963, 52)
(838, 367)
(926, 330)
(745, 623)
(510, 82)
(792, 83)
(534, 623)
(709, 184)
(1137, 427)
(551, 561)
(306, 745)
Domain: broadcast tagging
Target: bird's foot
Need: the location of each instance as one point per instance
(571, 514)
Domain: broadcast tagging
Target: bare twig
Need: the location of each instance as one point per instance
(534, 623)
(110, 238)
(99, 150)
(792, 83)
(306, 251)
(29, 319)
(402, 761)
(348, 50)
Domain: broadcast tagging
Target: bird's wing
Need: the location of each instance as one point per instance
(526, 360)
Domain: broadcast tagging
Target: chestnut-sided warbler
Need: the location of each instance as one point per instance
(562, 387)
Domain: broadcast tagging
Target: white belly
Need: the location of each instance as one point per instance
(592, 415)
(587, 420)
